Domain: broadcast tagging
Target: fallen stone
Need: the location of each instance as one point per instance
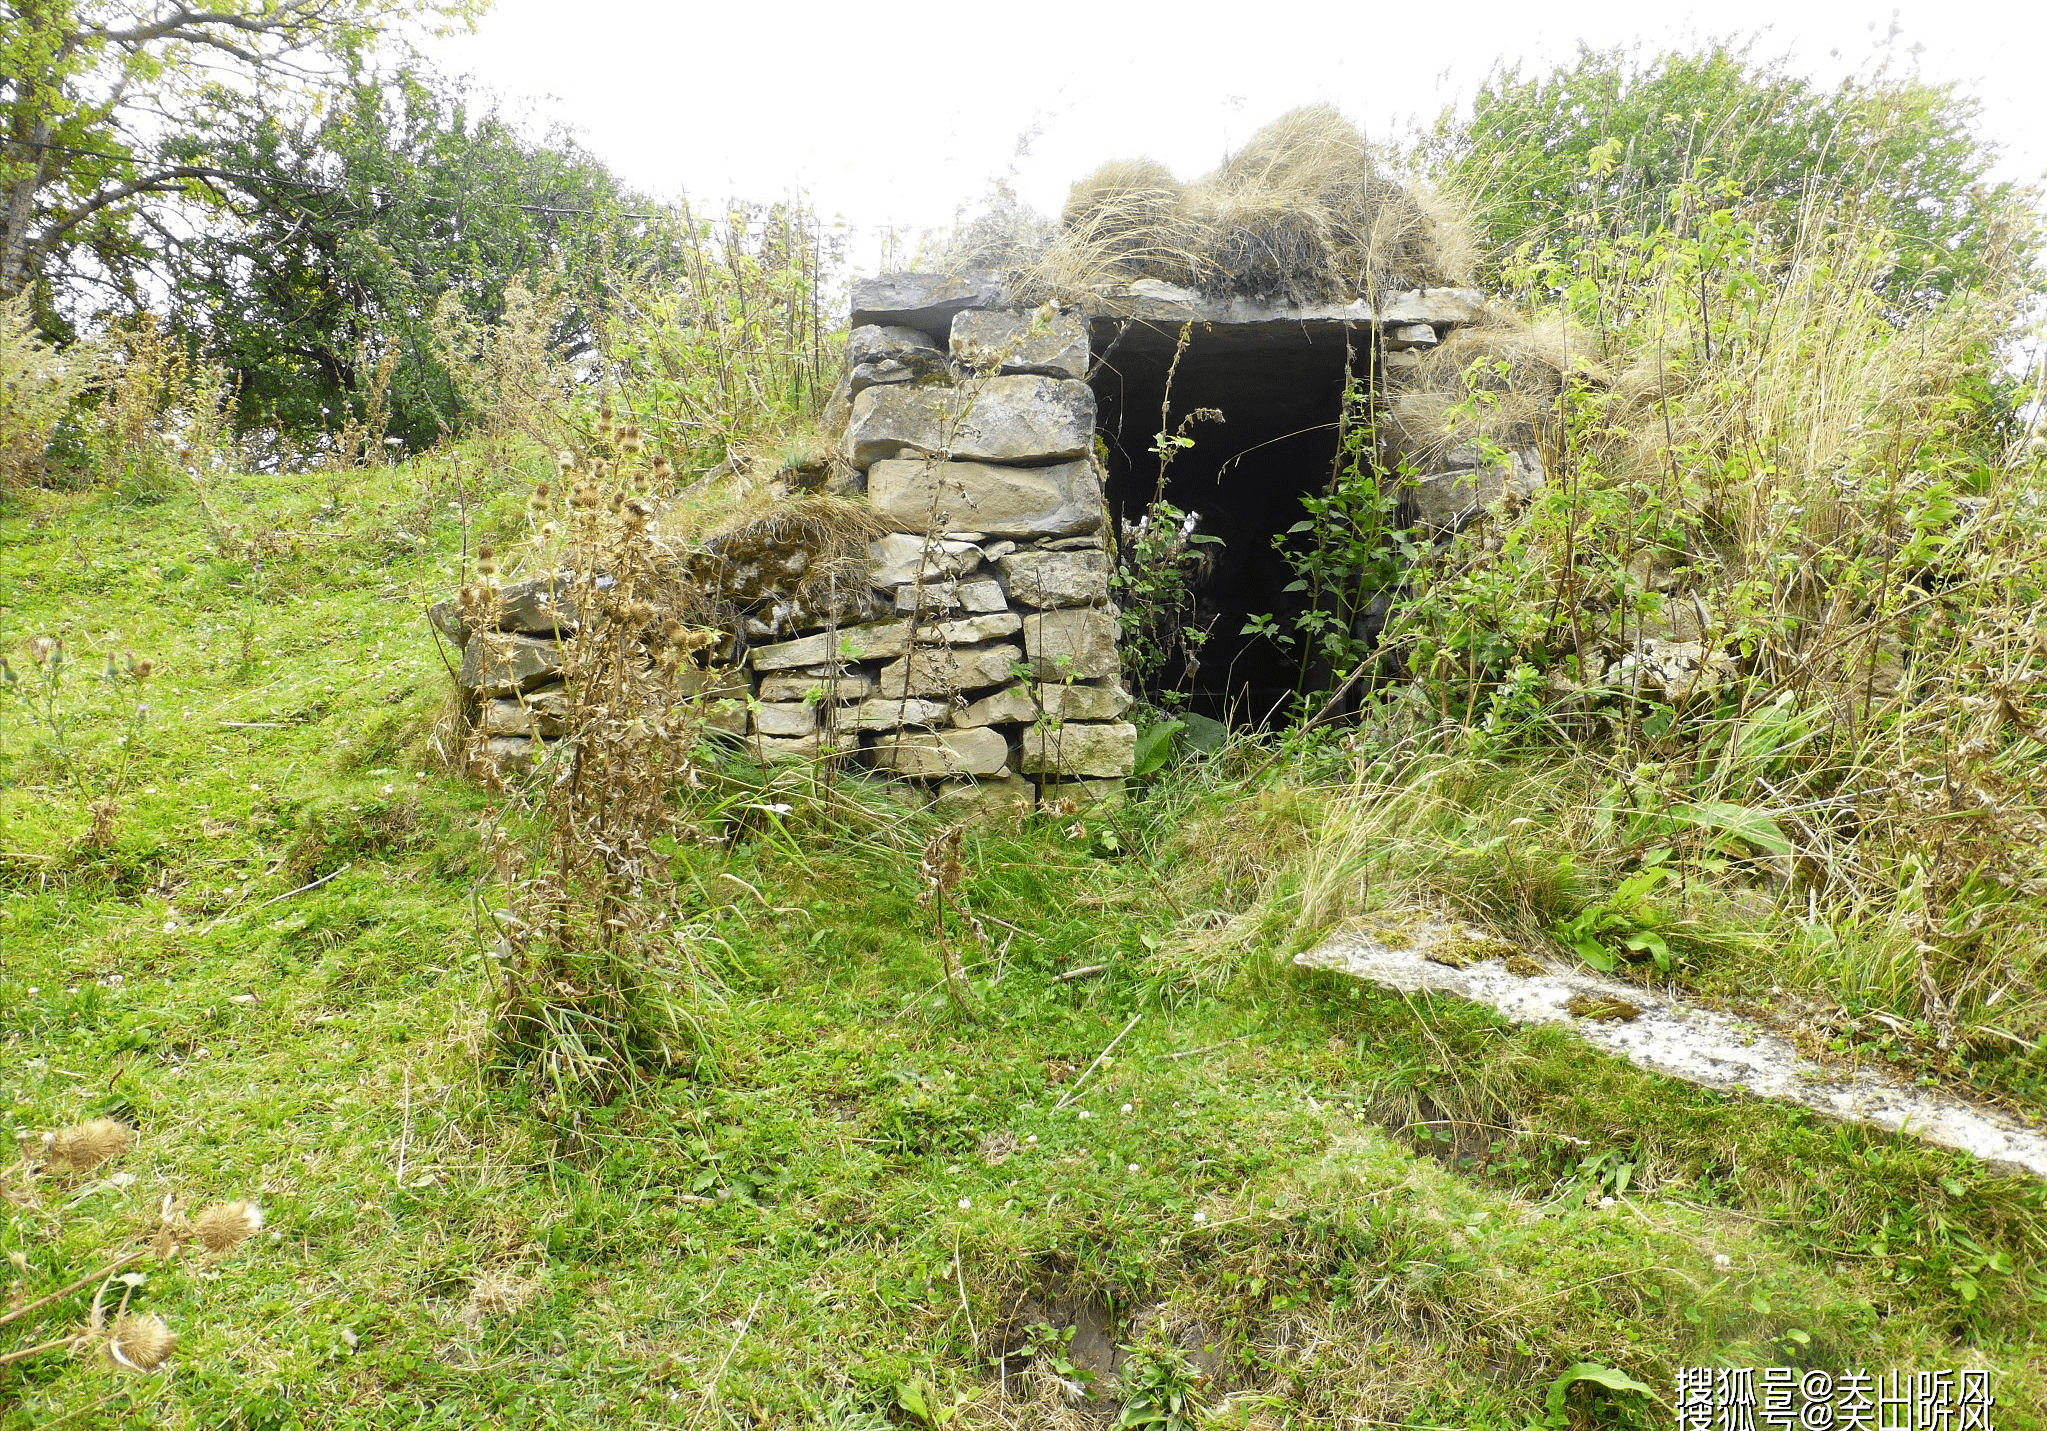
(1048, 344)
(884, 713)
(1056, 578)
(784, 718)
(946, 596)
(536, 606)
(855, 643)
(1072, 643)
(999, 501)
(1670, 670)
(930, 755)
(996, 551)
(927, 302)
(842, 686)
(1021, 419)
(1080, 748)
(969, 630)
(945, 671)
(899, 557)
(511, 750)
(495, 664)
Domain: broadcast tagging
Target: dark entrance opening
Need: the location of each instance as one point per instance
(1279, 386)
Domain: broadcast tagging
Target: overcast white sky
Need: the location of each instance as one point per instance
(901, 113)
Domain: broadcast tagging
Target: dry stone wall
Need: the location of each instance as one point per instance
(982, 656)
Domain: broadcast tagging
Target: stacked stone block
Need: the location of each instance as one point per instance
(997, 675)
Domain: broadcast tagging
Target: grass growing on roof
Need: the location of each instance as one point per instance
(1369, 1207)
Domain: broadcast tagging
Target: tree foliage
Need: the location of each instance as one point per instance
(346, 227)
(89, 87)
(1615, 144)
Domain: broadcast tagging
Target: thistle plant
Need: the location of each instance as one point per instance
(130, 1339)
(65, 718)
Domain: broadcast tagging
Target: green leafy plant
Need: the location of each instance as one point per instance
(1161, 1388)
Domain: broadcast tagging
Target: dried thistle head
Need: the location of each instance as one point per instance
(486, 561)
(637, 513)
(664, 472)
(629, 439)
(84, 1146)
(585, 497)
(141, 1343)
(141, 670)
(564, 462)
(227, 1225)
(43, 649)
(537, 503)
(638, 612)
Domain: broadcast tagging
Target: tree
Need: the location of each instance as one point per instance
(1615, 143)
(326, 254)
(90, 88)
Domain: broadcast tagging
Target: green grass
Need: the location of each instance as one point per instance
(1374, 1211)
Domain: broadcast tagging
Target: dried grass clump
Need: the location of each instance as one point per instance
(84, 1146)
(1496, 382)
(1305, 212)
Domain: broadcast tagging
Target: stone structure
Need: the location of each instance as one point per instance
(983, 657)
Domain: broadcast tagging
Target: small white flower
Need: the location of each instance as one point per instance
(1128, 1109)
(1200, 1216)
(1083, 1113)
(1133, 1168)
(966, 1203)
(170, 926)
(241, 998)
(348, 1335)
(1031, 1139)
(1721, 1259)
(1606, 1202)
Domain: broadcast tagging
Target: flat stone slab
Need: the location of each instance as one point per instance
(1073, 643)
(1062, 499)
(886, 713)
(1020, 419)
(505, 665)
(855, 643)
(933, 755)
(785, 718)
(1056, 578)
(946, 671)
(1081, 748)
(801, 685)
(1243, 322)
(899, 558)
(927, 302)
(1023, 705)
(1669, 1036)
(946, 597)
(1052, 345)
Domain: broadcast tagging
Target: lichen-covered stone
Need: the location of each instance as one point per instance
(799, 685)
(499, 664)
(886, 713)
(931, 755)
(1020, 419)
(944, 671)
(892, 343)
(979, 597)
(1054, 701)
(1072, 643)
(785, 718)
(855, 643)
(767, 748)
(543, 712)
(969, 630)
(1051, 501)
(1081, 748)
(1056, 578)
(1049, 344)
(899, 558)
(927, 302)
